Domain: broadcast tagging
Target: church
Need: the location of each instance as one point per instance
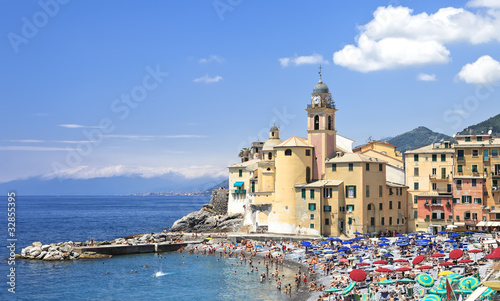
(319, 185)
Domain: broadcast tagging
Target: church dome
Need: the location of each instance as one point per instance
(274, 128)
(271, 143)
(321, 88)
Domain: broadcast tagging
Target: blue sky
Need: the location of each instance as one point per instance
(209, 77)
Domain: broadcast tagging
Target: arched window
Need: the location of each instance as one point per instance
(308, 174)
(369, 206)
(270, 156)
(288, 152)
(329, 122)
(316, 122)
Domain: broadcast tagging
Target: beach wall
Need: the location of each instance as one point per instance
(219, 200)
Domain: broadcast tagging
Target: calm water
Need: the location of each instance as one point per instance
(55, 219)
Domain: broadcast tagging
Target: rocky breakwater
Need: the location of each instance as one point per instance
(55, 252)
(208, 220)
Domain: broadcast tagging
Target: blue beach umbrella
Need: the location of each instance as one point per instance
(384, 244)
(450, 240)
(328, 252)
(330, 239)
(388, 255)
(337, 239)
(481, 231)
(306, 242)
(442, 232)
(355, 247)
(323, 243)
(432, 236)
(357, 233)
(469, 232)
(412, 234)
(455, 235)
(404, 244)
(400, 235)
(346, 242)
(383, 238)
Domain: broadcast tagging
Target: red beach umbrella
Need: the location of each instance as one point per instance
(465, 261)
(403, 269)
(494, 255)
(363, 264)
(446, 263)
(438, 255)
(357, 275)
(343, 260)
(425, 267)
(380, 262)
(418, 259)
(383, 270)
(400, 260)
(456, 254)
(475, 251)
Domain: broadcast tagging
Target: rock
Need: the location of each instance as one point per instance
(206, 220)
(34, 252)
(75, 254)
(130, 241)
(26, 251)
(65, 248)
(37, 244)
(45, 248)
(52, 256)
(104, 243)
(42, 255)
(52, 249)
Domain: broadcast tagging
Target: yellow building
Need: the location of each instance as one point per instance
(316, 185)
(382, 151)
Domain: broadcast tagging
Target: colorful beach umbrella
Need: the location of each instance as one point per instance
(383, 270)
(403, 269)
(401, 260)
(446, 263)
(463, 291)
(475, 251)
(438, 255)
(446, 273)
(349, 288)
(431, 298)
(418, 259)
(357, 275)
(425, 267)
(438, 291)
(456, 254)
(406, 280)
(487, 292)
(387, 282)
(425, 280)
(465, 261)
(363, 264)
(380, 262)
(469, 283)
(333, 290)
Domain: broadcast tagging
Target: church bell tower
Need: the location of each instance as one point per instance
(321, 127)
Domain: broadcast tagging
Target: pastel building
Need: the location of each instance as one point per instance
(317, 185)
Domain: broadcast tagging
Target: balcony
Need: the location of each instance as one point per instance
(460, 158)
(439, 178)
(438, 220)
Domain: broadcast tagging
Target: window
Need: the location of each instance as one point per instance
(443, 173)
(240, 173)
(327, 221)
(369, 207)
(434, 186)
(288, 152)
(327, 208)
(311, 226)
(312, 206)
(434, 172)
(415, 186)
(415, 199)
(497, 216)
(443, 158)
(467, 215)
(349, 221)
(350, 208)
(390, 204)
(329, 122)
(316, 122)
(380, 167)
(311, 193)
(474, 182)
(448, 188)
(308, 174)
(382, 222)
(459, 168)
(474, 168)
(486, 156)
(458, 217)
(475, 153)
(415, 171)
(380, 191)
(390, 220)
(415, 214)
(303, 194)
(308, 152)
(390, 191)
(459, 182)
(367, 191)
(328, 192)
(466, 199)
(477, 200)
(351, 166)
(494, 152)
(399, 204)
(456, 200)
(372, 221)
(467, 139)
(434, 158)
(415, 158)
(367, 166)
(253, 186)
(495, 183)
(380, 206)
(312, 215)
(334, 167)
(397, 221)
(350, 192)
(478, 139)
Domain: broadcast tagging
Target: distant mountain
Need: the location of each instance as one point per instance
(416, 138)
(484, 127)
(119, 185)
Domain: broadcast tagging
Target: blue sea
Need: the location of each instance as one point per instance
(52, 219)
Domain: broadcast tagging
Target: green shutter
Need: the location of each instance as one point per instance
(350, 221)
(354, 191)
(311, 194)
(303, 193)
(415, 214)
(415, 199)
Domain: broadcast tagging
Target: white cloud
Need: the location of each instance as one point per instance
(484, 3)
(302, 60)
(426, 77)
(207, 79)
(78, 126)
(397, 38)
(485, 70)
(86, 172)
(212, 58)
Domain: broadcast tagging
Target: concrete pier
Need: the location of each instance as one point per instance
(135, 249)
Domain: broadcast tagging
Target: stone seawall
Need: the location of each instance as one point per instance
(219, 200)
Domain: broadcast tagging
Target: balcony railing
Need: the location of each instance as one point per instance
(460, 158)
(435, 177)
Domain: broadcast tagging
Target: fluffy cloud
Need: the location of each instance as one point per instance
(426, 77)
(86, 172)
(211, 58)
(397, 38)
(207, 79)
(484, 3)
(485, 70)
(302, 60)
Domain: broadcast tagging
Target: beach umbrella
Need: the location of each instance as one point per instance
(330, 239)
(425, 280)
(432, 236)
(357, 275)
(400, 235)
(425, 267)
(475, 251)
(456, 254)
(388, 255)
(446, 263)
(328, 252)
(363, 264)
(352, 258)
(383, 238)
(469, 283)
(438, 291)
(431, 298)
(383, 244)
(387, 282)
(401, 260)
(343, 260)
(418, 259)
(469, 232)
(355, 247)
(494, 255)
(463, 291)
(406, 280)
(333, 290)
(438, 255)
(482, 231)
(403, 244)
(403, 269)
(380, 262)
(449, 240)
(323, 243)
(455, 235)
(357, 233)
(348, 288)
(465, 261)
(383, 270)
(258, 246)
(454, 276)
(420, 231)
(336, 239)
(487, 292)
(446, 273)
(442, 232)
(346, 242)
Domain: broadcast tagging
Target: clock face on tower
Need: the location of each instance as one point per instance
(316, 99)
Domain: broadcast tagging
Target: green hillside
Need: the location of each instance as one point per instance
(416, 138)
(484, 127)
